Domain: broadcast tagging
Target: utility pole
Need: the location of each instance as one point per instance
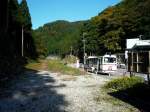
(84, 47)
(22, 45)
(84, 50)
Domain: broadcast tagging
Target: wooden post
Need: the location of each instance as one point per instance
(148, 78)
(131, 72)
(137, 64)
(97, 66)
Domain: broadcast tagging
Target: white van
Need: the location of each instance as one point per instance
(102, 64)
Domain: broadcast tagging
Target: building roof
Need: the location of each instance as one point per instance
(131, 42)
(92, 57)
(138, 44)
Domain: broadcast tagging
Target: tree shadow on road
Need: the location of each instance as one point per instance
(33, 92)
(137, 96)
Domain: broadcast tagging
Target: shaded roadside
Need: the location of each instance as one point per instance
(34, 92)
(137, 96)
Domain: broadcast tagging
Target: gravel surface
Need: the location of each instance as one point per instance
(51, 92)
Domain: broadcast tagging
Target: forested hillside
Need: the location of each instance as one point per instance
(109, 30)
(15, 21)
(58, 38)
(106, 32)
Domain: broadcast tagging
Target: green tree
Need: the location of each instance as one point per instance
(26, 18)
(28, 47)
(59, 37)
(110, 28)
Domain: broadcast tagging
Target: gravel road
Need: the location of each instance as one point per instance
(51, 92)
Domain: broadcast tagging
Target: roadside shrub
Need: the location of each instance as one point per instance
(124, 83)
(70, 59)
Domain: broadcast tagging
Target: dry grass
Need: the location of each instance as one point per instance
(37, 65)
(56, 66)
(60, 67)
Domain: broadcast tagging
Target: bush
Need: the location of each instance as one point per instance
(124, 83)
(70, 59)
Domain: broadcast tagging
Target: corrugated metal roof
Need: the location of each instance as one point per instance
(131, 42)
(92, 57)
(137, 43)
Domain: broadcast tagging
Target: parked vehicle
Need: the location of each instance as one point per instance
(121, 66)
(101, 64)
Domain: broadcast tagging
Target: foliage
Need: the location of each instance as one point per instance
(26, 24)
(131, 90)
(124, 83)
(25, 15)
(58, 38)
(12, 19)
(106, 32)
(109, 30)
(40, 45)
(70, 59)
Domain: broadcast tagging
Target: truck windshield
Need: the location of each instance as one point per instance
(109, 60)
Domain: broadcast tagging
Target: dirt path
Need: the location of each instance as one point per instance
(50, 92)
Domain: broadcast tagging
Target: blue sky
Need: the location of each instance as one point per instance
(44, 11)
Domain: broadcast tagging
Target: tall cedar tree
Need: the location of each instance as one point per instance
(9, 39)
(3, 24)
(29, 47)
(26, 18)
(12, 17)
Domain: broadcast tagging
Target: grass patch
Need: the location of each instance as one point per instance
(59, 66)
(130, 90)
(54, 66)
(104, 98)
(123, 83)
(70, 59)
(35, 65)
